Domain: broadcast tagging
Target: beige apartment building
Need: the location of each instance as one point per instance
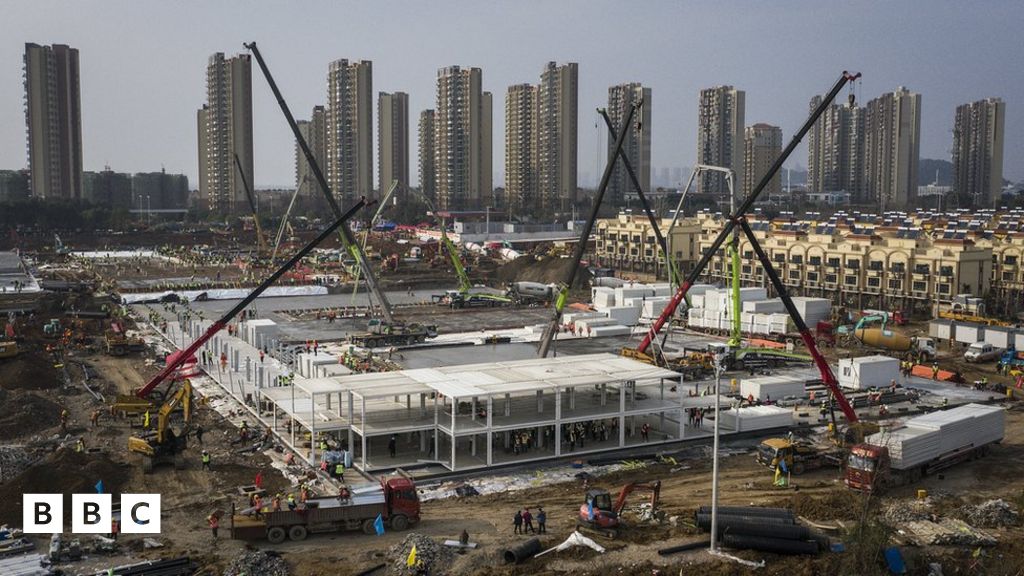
(314, 132)
(627, 243)
(978, 151)
(428, 173)
(393, 142)
(720, 136)
(762, 145)
(636, 146)
(463, 140)
(53, 116)
(350, 129)
(225, 133)
(521, 149)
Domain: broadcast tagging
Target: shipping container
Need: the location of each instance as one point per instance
(867, 371)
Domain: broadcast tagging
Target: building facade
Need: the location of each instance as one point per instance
(159, 191)
(521, 178)
(628, 244)
(428, 171)
(892, 125)
(109, 188)
(720, 133)
(835, 151)
(393, 142)
(978, 151)
(637, 145)
(314, 132)
(13, 185)
(762, 145)
(350, 129)
(225, 132)
(463, 140)
(557, 136)
(53, 117)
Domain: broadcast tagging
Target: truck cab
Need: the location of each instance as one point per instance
(925, 345)
(402, 501)
(798, 456)
(867, 467)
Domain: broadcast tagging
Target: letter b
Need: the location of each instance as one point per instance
(43, 513)
(91, 513)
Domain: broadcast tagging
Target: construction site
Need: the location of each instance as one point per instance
(382, 400)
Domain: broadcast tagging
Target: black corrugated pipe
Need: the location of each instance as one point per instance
(704, 520)
(794, 532)
(748, 511)
(524, 551)
(777, 545)
(684, 548)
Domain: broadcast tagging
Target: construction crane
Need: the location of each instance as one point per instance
(180, 359)
(738, 218)
(673, 272)
(260, 240)
(369, 228)
(284, 221)
(581, 245)
(347, 238)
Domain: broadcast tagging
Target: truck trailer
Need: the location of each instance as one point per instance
(395, 501)
(923, 445)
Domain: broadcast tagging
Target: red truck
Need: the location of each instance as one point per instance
(395, 501)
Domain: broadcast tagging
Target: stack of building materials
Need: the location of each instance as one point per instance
(696, 294)
(867, 371)
(663, 290)
(624, 315)
(653, 307)
(632, 291)
(572, 317)
(591, 323)
(756, 418)
(928, 437)
(766, 388)
(603, 297)
(613, 330)
(764, 306)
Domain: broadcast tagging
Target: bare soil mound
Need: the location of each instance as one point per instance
(546, 271)
(25, 414)
(28, 371)
(63, 472)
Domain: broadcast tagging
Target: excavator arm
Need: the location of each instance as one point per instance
(654, 488)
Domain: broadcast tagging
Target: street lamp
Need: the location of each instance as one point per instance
(719, 369)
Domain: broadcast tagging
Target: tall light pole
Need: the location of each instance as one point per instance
(719, 369)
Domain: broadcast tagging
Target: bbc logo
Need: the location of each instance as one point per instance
(91, 514)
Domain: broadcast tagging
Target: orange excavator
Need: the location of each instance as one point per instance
(599, 515)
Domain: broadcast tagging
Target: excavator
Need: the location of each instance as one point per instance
(164, 445)
(600, 516)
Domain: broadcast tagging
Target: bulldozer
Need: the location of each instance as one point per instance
(600, 516)
(164, 445)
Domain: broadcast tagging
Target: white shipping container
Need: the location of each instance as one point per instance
(970, 333)
(697, 301)
(1000, 337)
(1018, 341)
(942, 329)
(662, 289)
(867, 371)
(595, 290)
(773, 387)
(756, 418)
(654, 307)
(932, 435)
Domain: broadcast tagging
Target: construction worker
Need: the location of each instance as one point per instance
(214, 523)
(339, 470)
(199, 433)
(115, 527)
(945, 402)
(344, 495)
(935, 371)
(258, 503)
(94, 418)
(64, 421)
(392, 442)
(80, 446)
(542, 520)
(291, 501)
(206, 460)
(145, 420)
(275, 503)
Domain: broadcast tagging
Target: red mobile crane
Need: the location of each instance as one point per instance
(738, 218)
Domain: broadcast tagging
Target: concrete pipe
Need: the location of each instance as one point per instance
(522, 552)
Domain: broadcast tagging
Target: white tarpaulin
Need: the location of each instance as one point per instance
(225, 293)
(575, 539)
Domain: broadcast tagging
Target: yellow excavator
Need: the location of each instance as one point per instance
(163, 445)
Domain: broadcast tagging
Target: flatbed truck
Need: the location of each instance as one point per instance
(395, 501)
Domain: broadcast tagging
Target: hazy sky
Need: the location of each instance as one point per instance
(143, 65)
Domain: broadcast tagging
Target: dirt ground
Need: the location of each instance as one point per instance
(32, 395)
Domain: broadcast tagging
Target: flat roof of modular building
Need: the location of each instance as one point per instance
(490, 378)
